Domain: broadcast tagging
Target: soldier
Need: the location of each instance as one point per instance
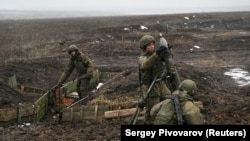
(165, 112)
(84, 68)
(151, 65)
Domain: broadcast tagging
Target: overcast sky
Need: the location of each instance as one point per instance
(128, 6)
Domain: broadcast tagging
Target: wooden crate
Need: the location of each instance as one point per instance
(33, 112)
(25, 112)
(84, 112)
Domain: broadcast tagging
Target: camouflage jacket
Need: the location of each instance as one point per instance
(150, 66)
(83, 66)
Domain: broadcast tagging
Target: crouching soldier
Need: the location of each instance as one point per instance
(179, 108)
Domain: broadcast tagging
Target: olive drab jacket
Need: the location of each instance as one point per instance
(150, 66)
(83, 66)
(165, 114)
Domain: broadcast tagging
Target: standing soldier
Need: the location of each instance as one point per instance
(84, 68)
(182, 111)
(151, 65)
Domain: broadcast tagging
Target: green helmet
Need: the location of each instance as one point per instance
(189, 86)
(145, 40)
(72, 48)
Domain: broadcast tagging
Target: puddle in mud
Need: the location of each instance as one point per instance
(240, 76)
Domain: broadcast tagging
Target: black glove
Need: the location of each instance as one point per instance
(162, 52)
(141, 103)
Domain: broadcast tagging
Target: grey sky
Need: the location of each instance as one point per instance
(128, 6)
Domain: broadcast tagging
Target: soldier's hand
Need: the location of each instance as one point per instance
(172, 70)
(162, 52)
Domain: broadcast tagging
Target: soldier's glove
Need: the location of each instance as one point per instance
(141, 103)
(172, 70)
(162, 52)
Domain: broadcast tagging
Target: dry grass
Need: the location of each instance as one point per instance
(122, 102)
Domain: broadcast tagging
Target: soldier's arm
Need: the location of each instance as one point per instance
(147, 63)
(162, 112)
(192, 114)
(66, 73)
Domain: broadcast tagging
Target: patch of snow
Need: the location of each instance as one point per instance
(196, 46)
(143, 27)
(126, 29)
(241, 76)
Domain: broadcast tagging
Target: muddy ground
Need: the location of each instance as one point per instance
(206, 46)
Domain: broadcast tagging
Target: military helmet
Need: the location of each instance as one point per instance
(72, 48)
(189, 86)
(145, 40)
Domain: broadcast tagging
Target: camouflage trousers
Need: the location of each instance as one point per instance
(158, 93)
(83, 87)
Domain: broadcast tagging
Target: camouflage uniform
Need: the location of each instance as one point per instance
(165, 114)
(84, 68)
(151, 66)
